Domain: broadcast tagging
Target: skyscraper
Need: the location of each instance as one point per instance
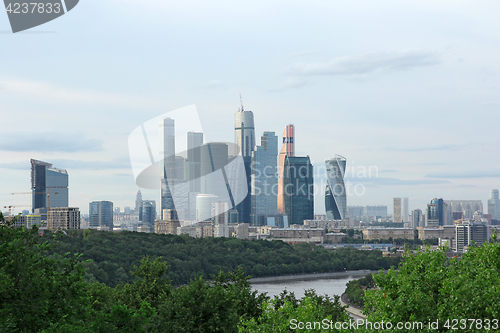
(167, 162)
(406, 212)
(244, 133)
(397, 218)
(148, 212)
(288, 149)
(193, 162)
(48, 183)
(335, 192)
(298, 189)
(416, 219)
(101, 215)
(436, 213)
(494, 205)
(265, 178)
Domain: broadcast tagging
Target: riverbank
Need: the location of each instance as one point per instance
(317, 276)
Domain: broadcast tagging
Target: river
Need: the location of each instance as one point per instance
(329, 286)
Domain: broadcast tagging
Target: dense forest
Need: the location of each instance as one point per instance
(114, 255)
(42, 292)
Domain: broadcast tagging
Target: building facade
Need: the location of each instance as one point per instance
(265, 179)
(101, 215)
(335, 192)
(49, 187)
(244, 135)
(64, 218)
(397, 216)
(494, 205)
(298, 180)
(287, 150)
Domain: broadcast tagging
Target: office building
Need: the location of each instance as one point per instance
(416, 219)
(466, 207)
(49, 187)
(214, 158)
(101, 215)
(298, 180)
(168, 163)
(193, 161)
(436, 215)
(335, 192)
(494, 205)
(397, 216)
(406, 213)
(204, 206)
(244, 133)
(148, 214)
(138, 203)
(63, 218)
(470, 233)
(265, 178)
(220, 213)
(287, 150)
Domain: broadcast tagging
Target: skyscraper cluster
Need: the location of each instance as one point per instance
(256, 184)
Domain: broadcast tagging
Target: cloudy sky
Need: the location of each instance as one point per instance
(409, 89)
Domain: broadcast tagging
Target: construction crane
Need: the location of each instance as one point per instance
(10, 209)
(48, 202)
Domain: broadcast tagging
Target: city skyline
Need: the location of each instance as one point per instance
(374, 95)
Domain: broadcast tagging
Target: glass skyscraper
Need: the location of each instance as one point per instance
(101, 215)
(335, 192)
(244, 134)
(50, 182)
(265, 179)
(298, 189)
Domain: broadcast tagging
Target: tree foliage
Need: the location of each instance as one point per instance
(429, 287)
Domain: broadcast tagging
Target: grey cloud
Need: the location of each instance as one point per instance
(368, 63)
(381, 181)
(45, 141)
(426, 148)
(122, 163)
(465, 174)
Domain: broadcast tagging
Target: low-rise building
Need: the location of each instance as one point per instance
(386, 233)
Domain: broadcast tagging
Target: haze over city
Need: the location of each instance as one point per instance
(408, 89)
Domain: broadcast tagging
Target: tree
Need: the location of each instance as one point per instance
(429, 287)
(36, 290)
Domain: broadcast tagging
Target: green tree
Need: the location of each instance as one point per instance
(36, 290)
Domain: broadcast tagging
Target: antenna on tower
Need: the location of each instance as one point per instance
(241, 102)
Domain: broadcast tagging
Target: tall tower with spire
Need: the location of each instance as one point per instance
(244, 137)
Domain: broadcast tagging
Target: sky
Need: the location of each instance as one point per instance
(406, 89)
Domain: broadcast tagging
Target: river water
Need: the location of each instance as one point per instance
(333, 286)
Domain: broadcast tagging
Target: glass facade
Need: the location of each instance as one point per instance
(265, 179)
(101, 214)
(298, 189)
(335, 192)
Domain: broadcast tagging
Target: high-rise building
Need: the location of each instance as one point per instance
(214, 157)
(298, 189)
(204, 206)
(397, 217)
(148, 212)
(64, 218)
(244, 133)
(287, 150)
(49, 186)
(494, 205)
(436, 215)
(335, 192)
(416, 219)
(167, 162)
(193, 162)
(138, 202)
(406, 212)
(466, 207)
(469, 233)
(265, 179)
(101, 215)
(220, 213)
